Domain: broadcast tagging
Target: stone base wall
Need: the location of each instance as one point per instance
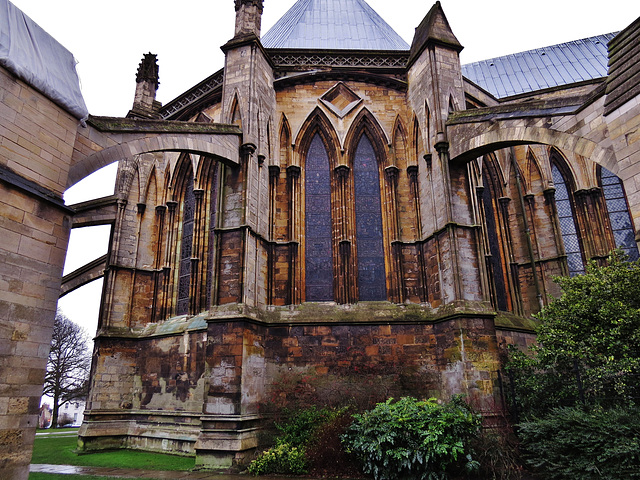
(204, 391)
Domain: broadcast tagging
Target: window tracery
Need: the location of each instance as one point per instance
(369, 238)
(618, 212)
(566, 216)
(318, 246)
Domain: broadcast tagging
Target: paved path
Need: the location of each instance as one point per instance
(150, 474)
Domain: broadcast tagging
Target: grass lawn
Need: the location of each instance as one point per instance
(61, 451)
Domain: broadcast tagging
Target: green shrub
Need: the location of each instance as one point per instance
(282, 459)
(588, 343)
(412, 439)
(325, 452)
(571, 443)
(301, 424)
(497, 452)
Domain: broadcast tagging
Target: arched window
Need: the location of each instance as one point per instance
(371, 265)
(495, 261)
(318, 243)
(618, 211)
(566, 217)
(184, 266)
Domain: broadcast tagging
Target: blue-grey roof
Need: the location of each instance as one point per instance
(333, 25)
(546, 67)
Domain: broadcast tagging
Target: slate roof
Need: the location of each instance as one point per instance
(540, 68)
(332, 25)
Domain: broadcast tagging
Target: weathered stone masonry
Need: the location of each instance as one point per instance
(348, 215)
(467, 235)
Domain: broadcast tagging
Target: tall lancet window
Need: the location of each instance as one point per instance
(568, 229)
(372, 283)
(495, 261)
(618, 210)
(318, 240)
(184, 266)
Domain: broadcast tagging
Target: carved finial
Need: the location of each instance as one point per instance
(147, 81)
(248, 17)
(148, 70)
(257, 3)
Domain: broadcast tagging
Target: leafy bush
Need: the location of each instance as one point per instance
(283, 459)
(412, 439)
(588, 342)
(325, 452)
(574, 444)
(301, 424)
(290, 453)
(498, 455)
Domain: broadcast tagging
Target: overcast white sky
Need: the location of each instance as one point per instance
(108, 39)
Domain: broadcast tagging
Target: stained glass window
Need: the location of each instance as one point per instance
(495, 259)
(184, 276)
(371, 271)
(618, 210)
(318, 251)
(567, 224)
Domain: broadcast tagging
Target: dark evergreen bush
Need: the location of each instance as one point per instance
(575, 444)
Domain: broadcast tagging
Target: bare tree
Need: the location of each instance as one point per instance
(68, 365)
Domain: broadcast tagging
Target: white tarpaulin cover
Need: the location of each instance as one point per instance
(36, 57)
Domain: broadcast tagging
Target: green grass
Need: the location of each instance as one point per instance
(58, 430)
(61, 451)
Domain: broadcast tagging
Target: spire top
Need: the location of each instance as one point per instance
(434, 28)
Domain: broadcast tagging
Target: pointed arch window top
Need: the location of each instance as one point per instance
(340, 99)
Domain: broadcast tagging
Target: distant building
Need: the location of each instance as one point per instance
(44, 417)
(74, 411)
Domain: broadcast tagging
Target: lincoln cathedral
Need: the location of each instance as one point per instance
(338, 204)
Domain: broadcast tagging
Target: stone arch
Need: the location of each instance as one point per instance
(317, 122)
(223, 149)
(502, 134)
(417, 141)
(400, 151)
(284, 142)
(235, 116)
(365, 122)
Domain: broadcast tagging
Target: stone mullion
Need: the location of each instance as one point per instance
(197, 254)
(442, 147)
(412, 173)
(531, 204)
(513, 272)
(397, 274)
(585, 223)
(550, 197)
(604, 241)
(170, 253)
(487, 275)
(295, 207)
(345, 285)
(110, 277)
(274, 175)
(157, 295)
(414, 188)
(140, 209)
